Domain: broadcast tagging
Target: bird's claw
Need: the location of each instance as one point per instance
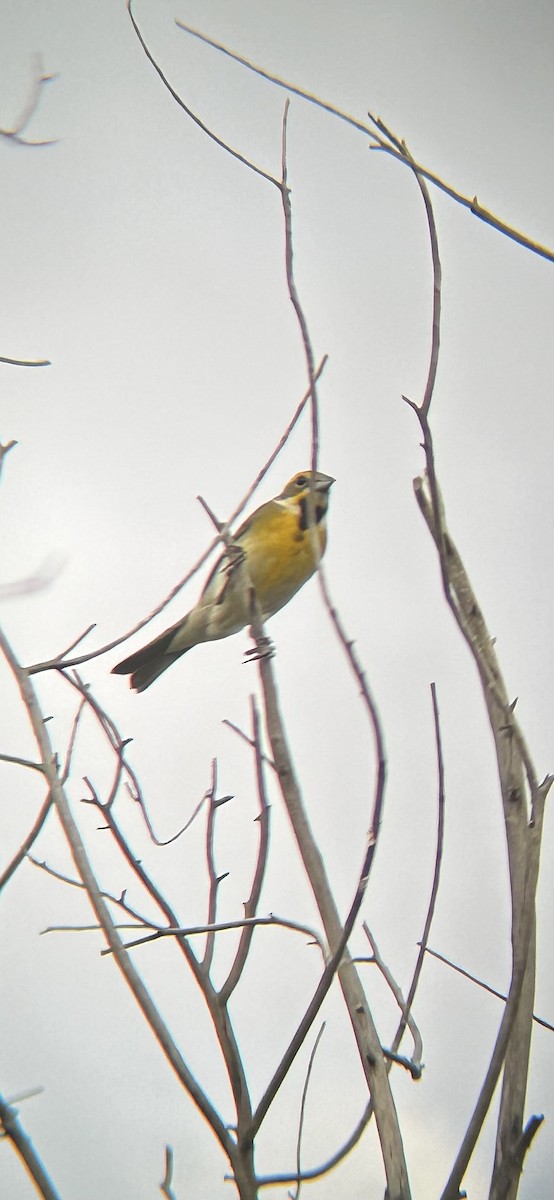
(264, 649)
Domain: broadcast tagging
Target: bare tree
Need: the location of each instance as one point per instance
(130, 928)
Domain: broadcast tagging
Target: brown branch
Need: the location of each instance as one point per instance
(120, 900)
(72, 737)
(15, 133)
(436, 876)
(368, 700)
(4, 450)
(330, 1164)
(506, 1179)
(294, 296)
(414, 1065)
(26, 362)
(251, 904)
(26, 844)
(523, 841)
(118, 746)
(249, 741)
(337, 935)
(21, 1141)
(220, 1018)
(468, 202)
(482, 984)
(178, 99)
(214, 878)
(17, 761)
(187, 931)
(165, 1185)
(142, 995)
(311, 1059)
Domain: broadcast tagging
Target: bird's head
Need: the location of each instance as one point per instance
(305, 481)
(309, 490)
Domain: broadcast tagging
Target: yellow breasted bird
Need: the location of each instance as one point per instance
(283, 542)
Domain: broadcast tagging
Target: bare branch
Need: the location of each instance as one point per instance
(27, 362)
(436, 876)
(482, 984)
(15, 134)
(252, 903)
(366, 1036)
(294, 297)
(187, 931)
(142, 995)
(214, 878)
(22, 762)
(71, 745)
(165, 1185)
(4, 450)
(303, 1110)
(331, 1163)
(523, 842)
(471, 203)
(414, 1065)
(245, 738)
(14, 1131)
(368, 699)
(213, 136)
(26, 844)
(506, 1179)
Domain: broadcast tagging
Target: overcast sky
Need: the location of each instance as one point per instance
(148, 266)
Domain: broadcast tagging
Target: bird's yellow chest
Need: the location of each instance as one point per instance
(281, 555)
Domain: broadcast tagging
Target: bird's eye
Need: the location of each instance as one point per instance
(301, 481)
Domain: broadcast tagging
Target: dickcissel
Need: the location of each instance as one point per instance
(282, 543)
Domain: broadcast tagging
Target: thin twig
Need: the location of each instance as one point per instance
(23, 851)
(330, 1164)
(71, 745)
(414, 1064)
(246, 162)
(436, 875)
(15, 134)
(121, 900)
(294, 296)
(26, 362)
(245, 738)
(165, 1185)
(5, 450)
(482, 984)
(213, 877)
(188, 931)
(22, 762)
(251, 904)
(311, 1060)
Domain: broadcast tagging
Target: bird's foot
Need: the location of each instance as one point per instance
(264, 649)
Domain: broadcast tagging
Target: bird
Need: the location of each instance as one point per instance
(282, 543)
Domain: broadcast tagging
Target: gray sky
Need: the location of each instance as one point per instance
(148, 266)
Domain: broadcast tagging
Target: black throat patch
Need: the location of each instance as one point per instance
(319, 510)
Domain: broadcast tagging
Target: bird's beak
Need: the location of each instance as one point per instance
(324, 482)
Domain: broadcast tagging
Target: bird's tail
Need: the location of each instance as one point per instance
(152, 660)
